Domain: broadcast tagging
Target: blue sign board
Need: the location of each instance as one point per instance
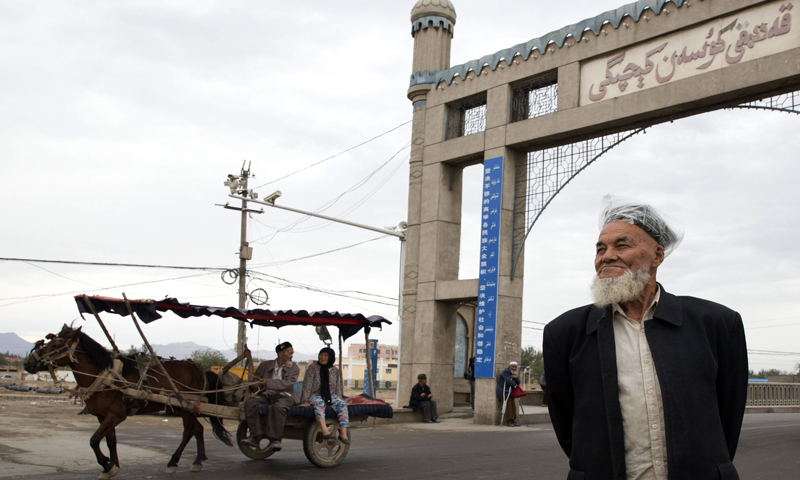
(372, 351)
(489, 272)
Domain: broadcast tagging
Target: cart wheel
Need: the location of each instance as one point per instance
(254, 453)
(325, 453)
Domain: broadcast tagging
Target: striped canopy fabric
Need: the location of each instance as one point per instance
(148, 311)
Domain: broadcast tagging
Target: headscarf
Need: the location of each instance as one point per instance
(324, 374)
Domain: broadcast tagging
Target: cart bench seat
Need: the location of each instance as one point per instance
(361, 405)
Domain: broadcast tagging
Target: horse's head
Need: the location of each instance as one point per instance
(57, 351)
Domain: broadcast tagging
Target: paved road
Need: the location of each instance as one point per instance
(769, 449)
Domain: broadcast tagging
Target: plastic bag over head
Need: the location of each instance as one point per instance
(665, 230)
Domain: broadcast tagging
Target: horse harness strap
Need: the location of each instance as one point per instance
(143, 363)
(67, 350)
(110, 377)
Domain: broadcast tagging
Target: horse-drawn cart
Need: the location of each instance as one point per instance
(143, 384)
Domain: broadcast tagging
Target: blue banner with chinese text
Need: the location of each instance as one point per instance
(489, 267)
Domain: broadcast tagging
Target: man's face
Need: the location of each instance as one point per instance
(622, 247)
(285, 355)
(423, 381)
(513, 368)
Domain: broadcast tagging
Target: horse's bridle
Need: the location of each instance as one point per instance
(66, 350)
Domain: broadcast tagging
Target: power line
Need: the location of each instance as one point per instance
(772, 319)
(59, 275)
(333, 201)
(283, 262)
(338, 293)
(108, 264)
(795, 324)
(333, 156)
(50, 295)
(771, 352)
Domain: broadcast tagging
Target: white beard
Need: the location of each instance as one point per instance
(626, 287)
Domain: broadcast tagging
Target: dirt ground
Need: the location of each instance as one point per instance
(24, 424)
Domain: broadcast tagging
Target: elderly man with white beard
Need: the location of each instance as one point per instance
(643, 384)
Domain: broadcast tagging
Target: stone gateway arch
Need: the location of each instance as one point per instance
(535, 115)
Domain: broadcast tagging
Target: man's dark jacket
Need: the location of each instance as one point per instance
(416, 395)
(700, 356)
(505, 383)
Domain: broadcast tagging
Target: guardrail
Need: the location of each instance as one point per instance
(773, 394)
(379, 384)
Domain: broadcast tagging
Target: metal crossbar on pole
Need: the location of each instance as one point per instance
(400, 233)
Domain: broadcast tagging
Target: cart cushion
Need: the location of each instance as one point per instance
(360, 405)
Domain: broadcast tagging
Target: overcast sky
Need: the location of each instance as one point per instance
(121, 120)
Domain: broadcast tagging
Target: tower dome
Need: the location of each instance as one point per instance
(432, 23)
(434, 7)
(441, 12)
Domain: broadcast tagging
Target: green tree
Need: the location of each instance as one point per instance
(133, 350)
(763, 373)
(5, 359)
(532, 358)
(209, 358)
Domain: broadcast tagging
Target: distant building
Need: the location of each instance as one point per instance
(9, 373)
(354, 364)
(388, 352)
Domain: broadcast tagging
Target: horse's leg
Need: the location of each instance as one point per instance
(201, 446)
(107, 424)
(188, 431)
(111, 443)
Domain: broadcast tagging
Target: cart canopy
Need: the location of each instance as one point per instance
(148, 311)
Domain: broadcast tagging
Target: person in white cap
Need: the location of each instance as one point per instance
(506, 383)
(644, 384)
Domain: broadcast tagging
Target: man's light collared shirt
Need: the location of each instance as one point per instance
(277, 374)
(640, 398)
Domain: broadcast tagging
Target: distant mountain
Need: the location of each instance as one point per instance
(178, 350)
(12, 343)
(184, 350)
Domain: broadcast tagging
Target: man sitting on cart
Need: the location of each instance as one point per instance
(277, 378)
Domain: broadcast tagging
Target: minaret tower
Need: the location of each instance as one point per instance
(432, 23)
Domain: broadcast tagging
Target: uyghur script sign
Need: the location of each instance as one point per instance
(751, 34)
(489, 274)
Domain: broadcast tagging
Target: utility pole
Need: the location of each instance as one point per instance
(399, 232)
(239, 186)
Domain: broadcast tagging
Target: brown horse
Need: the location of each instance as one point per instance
(88, 360)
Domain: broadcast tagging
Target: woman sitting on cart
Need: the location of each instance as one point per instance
(321, 388)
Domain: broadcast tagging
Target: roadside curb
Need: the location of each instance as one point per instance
(35, 398)
(773, 409)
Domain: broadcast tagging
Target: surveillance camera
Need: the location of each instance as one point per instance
(272, 197)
